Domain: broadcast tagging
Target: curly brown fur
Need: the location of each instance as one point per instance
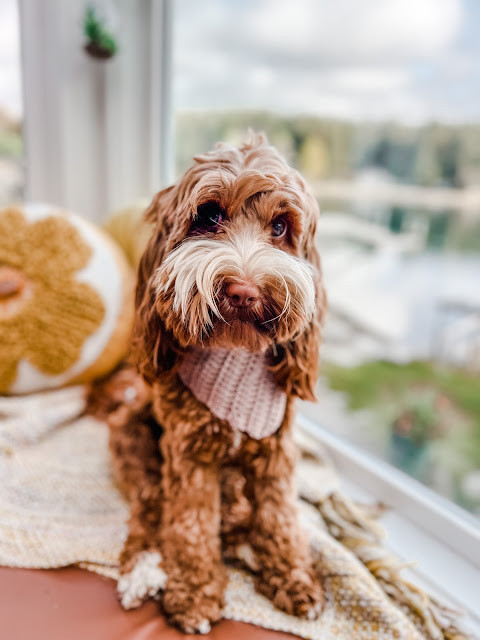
(198, 492)
(124, 401)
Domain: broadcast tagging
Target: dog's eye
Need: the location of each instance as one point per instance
(209, 216)
(279, 227)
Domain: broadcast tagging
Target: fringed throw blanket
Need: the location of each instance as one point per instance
(59, 506)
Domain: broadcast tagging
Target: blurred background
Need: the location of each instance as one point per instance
(376, 102)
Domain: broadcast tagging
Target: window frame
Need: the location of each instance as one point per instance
(97, 134)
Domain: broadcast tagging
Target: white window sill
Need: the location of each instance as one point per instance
(442, 539)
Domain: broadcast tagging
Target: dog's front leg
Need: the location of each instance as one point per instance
(191, 448)
(285, 572)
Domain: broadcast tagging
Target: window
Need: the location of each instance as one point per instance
(11, 155)
(376, 103)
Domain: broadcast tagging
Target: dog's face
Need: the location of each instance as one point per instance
(232, 262)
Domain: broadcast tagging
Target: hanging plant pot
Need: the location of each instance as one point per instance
(101, 44)
(96, 51)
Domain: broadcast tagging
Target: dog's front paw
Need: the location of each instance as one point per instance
(192, 622)
(143, 581)
(193, 608)
(297, 593)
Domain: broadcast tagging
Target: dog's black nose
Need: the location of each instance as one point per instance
(242, 294)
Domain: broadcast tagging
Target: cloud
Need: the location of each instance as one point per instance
(367, 79)
(366, 31)
(349, 58)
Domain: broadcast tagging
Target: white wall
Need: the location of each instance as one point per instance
(97, 134)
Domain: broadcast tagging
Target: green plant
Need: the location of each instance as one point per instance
(100, 41)
(379, 385)
(416, 417)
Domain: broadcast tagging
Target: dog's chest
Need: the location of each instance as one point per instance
(236, 386)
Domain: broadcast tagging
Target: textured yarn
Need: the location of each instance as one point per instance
(237, 386)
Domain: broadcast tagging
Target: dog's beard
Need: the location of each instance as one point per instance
(190, 287)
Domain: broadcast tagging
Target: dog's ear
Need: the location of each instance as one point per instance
(154, 347)
(295, 365)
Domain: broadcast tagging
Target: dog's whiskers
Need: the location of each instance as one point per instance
(195, 273)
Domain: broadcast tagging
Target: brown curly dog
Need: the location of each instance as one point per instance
(229, 308)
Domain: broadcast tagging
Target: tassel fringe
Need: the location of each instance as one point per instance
(349, 524)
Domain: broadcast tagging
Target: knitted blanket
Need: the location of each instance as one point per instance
(59, 506)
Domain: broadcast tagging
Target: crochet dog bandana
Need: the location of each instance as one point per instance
(237, 386)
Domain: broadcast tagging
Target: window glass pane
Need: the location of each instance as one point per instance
(11, 165)
(377, 104)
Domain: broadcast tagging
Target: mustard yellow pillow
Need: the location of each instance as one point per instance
(66, 299)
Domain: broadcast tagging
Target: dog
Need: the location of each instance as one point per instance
(229, 309)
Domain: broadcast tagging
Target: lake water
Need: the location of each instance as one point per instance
(427, 302)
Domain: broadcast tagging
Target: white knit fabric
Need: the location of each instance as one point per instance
(237, 386)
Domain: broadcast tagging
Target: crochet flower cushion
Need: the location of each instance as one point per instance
(66, 299)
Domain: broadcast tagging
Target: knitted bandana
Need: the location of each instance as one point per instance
(236, 386)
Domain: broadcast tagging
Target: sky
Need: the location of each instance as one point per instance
(406, 60)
